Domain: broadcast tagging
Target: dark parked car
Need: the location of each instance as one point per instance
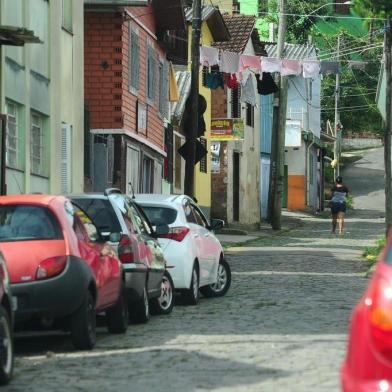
(6, 325)
(119, 218)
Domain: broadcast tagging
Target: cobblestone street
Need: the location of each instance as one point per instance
(282, 326)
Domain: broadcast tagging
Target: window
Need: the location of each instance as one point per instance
(66, 158)
(67, 15)
(163, 88)
(133, 170)
(250, 115)
(133, 60)
(236, 103)
(148, 175)
(150, 73)
(203, 161)
(12, 140)
(200, 219)
(160, 215)
(89, 227)
(25, 223)
(37, 145)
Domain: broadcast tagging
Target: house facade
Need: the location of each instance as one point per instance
(42, 97)
(236, 177)
(126, 94)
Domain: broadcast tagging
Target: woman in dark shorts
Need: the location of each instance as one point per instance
(338, 204)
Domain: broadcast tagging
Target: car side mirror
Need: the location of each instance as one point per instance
(161, 230)
(216, 224)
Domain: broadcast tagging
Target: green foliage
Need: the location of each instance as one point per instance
(373, 7)
(350, 202)
(371, 253)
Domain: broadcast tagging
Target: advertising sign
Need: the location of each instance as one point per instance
(226, 129)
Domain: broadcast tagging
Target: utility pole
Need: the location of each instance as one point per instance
(275, 193)
(388, 124)
(336, 144)
(191, 133)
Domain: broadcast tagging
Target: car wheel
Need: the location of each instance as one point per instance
(6, 348)
(83, 324)
(191, 295)
(140, 310)
(222, 284)
(117, 317)
(165, 302)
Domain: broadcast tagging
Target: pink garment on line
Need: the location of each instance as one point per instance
(209, 56)
(310, 68)
(248, 61)
(269, 64)
(291, 67)
(230, 62)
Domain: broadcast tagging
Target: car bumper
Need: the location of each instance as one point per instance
(56, 297)
(135, 280)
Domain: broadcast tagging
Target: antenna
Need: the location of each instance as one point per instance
(133, 192)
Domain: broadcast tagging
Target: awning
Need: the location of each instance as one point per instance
(17, 36)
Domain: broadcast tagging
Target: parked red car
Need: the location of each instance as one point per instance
(6, 325)
(368, 364)
(62, 273)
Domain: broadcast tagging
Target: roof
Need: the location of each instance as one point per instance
(169, 14)
(258, 46)
(240, 28)
(293, 51)
(183, 79)
(214, 19)
(155, 198)
(17, 36)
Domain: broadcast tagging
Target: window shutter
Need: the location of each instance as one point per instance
(150, 73)
(164, 90)
(133, 61)
(65, 154)
(236, 103)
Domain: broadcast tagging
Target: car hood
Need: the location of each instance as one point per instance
(23, 258)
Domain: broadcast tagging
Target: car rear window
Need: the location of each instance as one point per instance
(26, 223)
(101, 212)
(160, 215)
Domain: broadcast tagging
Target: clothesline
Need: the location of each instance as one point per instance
(234, 63)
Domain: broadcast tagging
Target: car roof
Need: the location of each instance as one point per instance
(155, 198)
(92, 195)
(30, 198)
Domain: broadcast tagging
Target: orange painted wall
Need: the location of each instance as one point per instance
(296, 192)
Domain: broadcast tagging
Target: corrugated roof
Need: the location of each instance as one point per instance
(183, 79)
(206, 12)
(240, 28)
(293, 51)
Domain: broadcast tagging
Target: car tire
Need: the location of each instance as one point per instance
(165, 302)
(117, 317)
(6, 348)
(191, 295)
(83, 324)
(140, 311)
(223, 283)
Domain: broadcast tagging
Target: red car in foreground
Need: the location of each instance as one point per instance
(61, 271)
(368, 364)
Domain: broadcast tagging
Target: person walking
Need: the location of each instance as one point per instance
(338, 204)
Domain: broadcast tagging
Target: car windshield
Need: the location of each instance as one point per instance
(26, 223)
(160, 215)
(101, 212)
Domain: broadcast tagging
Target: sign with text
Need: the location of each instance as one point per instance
(226, 129)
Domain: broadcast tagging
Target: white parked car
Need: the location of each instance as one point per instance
(191, 247)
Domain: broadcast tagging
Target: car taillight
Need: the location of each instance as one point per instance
(380, 314)
(51, 267)
(125, 251)
(176, 233)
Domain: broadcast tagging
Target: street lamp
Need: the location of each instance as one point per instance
(325, 5)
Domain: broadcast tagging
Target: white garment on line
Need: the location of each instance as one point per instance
(209, 56)
(270, 64)
(230, 62)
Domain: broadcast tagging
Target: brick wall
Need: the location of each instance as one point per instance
(107, 95)
(219, 180)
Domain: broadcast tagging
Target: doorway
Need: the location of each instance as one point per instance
(236, 186)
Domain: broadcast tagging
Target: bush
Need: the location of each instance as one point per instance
(371, 253)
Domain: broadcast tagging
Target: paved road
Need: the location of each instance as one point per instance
(281, 327)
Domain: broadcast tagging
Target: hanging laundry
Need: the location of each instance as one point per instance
(173, 89)
(329, 68)
(230, 62)
(209, 56)
(231, 80)
(266, 85)
(248, 94)
(214, 80)
(269, 64)
(291, 67)
(352, 64)
(311, 68)
(247, 61)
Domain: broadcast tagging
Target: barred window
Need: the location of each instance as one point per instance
(37, 145)
(236, 103)
(12, 140)
(133, 61)
(203, 161)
